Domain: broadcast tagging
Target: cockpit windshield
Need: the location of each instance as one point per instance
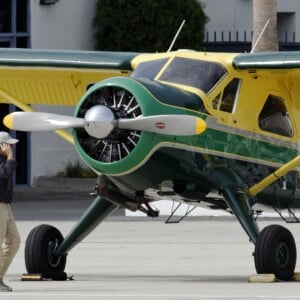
(196, 73)
(149, 69)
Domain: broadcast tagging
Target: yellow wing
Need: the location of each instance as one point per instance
(55, 77)
(29, 77)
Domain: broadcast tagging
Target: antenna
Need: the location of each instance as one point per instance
(260, 36)
(176, 35)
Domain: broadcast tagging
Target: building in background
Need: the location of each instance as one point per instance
(44, 24)
(67, 24)
(230, 25)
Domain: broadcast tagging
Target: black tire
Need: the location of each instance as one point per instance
(38, 258)
(275, 252)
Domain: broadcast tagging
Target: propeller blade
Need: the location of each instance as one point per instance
(165, 124)
(99, 122)
(37, 121)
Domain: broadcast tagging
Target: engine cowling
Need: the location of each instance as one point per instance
(123, 149)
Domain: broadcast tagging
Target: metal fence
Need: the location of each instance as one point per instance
(245, 36)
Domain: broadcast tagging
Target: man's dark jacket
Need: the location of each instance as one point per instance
(7, 169)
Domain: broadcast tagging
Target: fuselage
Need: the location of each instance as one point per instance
(250, 120)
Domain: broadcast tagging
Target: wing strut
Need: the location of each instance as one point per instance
(25, 107)
(260, 186)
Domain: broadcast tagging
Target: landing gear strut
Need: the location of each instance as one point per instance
(46, 249)
(275, 248)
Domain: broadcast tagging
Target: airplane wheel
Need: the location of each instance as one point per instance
(275, 252)
(40, 244)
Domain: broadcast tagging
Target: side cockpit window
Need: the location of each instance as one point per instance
(229, 95)
(274, 117)
(227, 99)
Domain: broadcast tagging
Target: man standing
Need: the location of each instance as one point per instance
(9, 235)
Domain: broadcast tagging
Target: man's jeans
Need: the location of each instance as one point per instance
(9, 238)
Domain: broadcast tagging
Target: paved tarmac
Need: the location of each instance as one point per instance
(142, 258)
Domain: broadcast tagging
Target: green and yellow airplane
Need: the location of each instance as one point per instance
(218, 130)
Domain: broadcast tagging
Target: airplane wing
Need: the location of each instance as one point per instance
(267, 60)
(46, 77)
(55, 77)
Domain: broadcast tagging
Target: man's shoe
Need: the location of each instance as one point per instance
(4, 287)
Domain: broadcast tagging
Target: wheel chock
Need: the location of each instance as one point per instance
(39, 277)
(296, 277)
(32, 277)
(262, 278)
(266, 278)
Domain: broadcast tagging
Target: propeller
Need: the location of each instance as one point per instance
(99, 121)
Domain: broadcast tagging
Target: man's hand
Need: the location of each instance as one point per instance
(7, 150)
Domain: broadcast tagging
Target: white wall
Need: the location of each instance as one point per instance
(288, 22)
(49, 152)
(288, 5)
(228, 15)
(64, 25)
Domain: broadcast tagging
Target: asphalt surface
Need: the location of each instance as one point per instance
(142, 258)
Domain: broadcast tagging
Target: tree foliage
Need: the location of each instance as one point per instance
(148, 25)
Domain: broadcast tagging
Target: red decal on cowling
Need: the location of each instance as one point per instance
(160, 125)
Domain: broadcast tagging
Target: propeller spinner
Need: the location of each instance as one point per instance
(99, 121)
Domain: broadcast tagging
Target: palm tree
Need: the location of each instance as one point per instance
(264, 18)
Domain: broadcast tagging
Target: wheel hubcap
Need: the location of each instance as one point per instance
(282, 255)
(53, 260)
